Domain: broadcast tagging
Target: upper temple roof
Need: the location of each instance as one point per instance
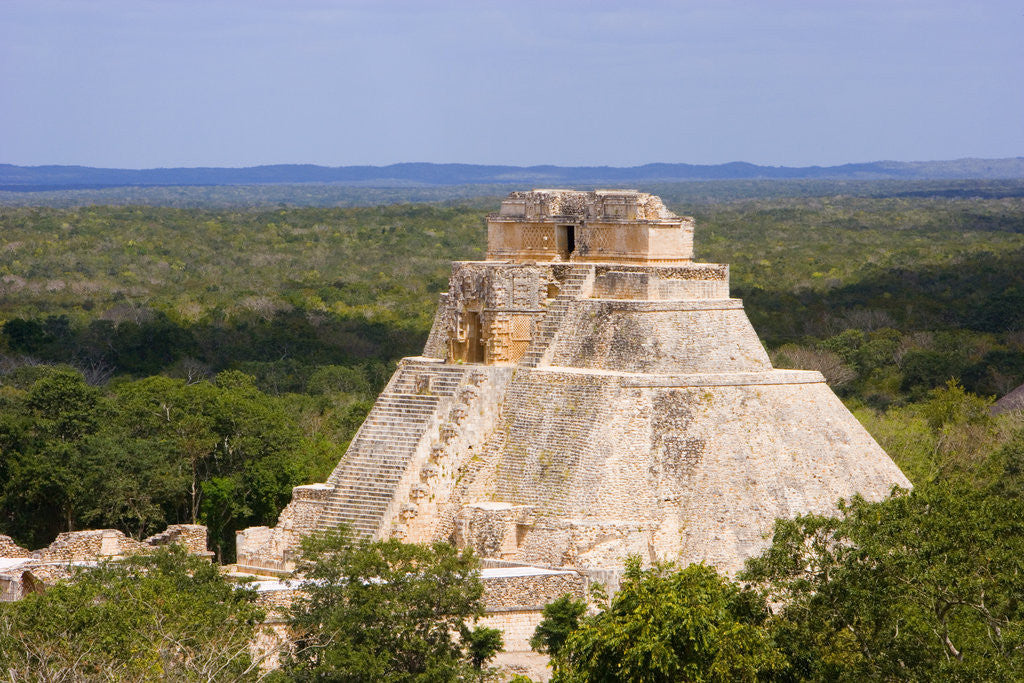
(630, 205)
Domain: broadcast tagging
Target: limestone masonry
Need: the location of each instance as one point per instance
(588, 392)
(23, 571)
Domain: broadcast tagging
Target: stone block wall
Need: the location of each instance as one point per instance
(659, 337)
(604, 225)
(698, 281)
(190, 536)
(516, 626)
(8, 548)
(530, 588)
(78, 546)
(515, 599)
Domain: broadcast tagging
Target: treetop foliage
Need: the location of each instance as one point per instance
(139, 455)
(668, 624)
(387, 610)
(924, 586)
(165, 616)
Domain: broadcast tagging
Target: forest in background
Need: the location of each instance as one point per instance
(165, 364)
(481, 195)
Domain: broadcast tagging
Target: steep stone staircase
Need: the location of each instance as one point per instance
(408, 410)
(572, 289)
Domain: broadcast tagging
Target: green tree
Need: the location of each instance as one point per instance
(236, 451)
(670, 624)
(927, 585)
(168, 616)
(386, 610)
(482, 643)
(560, 618)
(49, 447)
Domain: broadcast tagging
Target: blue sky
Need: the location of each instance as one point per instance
(146, 83)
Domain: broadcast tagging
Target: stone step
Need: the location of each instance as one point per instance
(380, 450)
(352, 482)
(410, 400)
(403, 406)
(369, 502)
(365, 477)
(375, 495)
(381, 434)
(356, 481)
(366, 515)
(367, 524)
(400, 413)
(379, 457)
(380, 464)
(385, 424)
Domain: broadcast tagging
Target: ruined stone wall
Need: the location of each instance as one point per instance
(76, 546)
(513, 604)
(57, 562)
(8, 548)
(192, 537)
(274, 549)
(93, 544)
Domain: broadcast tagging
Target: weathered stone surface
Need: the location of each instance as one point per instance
(22, 571)
(192, 537)
(79, 546)
(8, 548)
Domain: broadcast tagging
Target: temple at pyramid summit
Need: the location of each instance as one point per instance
(588, 392)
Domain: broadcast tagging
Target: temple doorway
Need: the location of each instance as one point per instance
(566, 240)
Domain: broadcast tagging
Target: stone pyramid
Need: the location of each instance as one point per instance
(589, 392)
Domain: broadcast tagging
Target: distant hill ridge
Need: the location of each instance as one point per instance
(37, 178)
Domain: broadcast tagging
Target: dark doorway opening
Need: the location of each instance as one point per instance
(474, 349)
(566, 241)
